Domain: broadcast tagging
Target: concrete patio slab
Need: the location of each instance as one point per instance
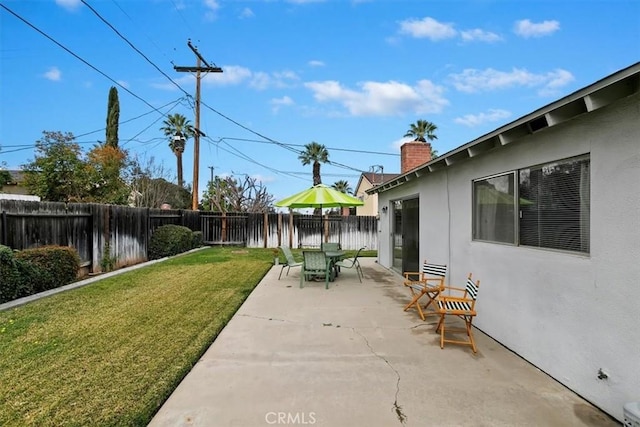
(350, 356)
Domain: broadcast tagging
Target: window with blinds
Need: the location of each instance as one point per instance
(550, 209)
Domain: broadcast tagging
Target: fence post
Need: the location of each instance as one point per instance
(4, 228)
(326, 228)
(290, 228)
(265, 234)
(224, 226)
(279, 229)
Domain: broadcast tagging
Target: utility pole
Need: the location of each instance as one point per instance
(196, 138)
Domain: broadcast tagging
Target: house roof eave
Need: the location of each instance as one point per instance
(616, 86)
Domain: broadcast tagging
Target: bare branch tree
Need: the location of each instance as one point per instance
(228, 194)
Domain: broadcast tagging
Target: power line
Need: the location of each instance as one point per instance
(131, 19)
(76, 56)
(243, 156)
(328, 148)
(285, 146)
(249, 129)
(75, 137)
(133, 47)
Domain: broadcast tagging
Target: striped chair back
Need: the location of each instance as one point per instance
(437, 270)
(472, 288)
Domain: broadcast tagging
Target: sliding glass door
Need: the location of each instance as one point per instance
(405, 235)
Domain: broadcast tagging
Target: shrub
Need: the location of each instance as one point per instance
(170, 240)
(55, 266)
(16, 276)
(196, 240)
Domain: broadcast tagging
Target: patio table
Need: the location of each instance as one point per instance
(335, 256)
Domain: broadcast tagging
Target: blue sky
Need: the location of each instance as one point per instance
(351, 75)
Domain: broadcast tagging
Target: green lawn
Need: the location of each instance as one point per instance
(111, 353)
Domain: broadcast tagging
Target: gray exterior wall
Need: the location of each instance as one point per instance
(568, 314)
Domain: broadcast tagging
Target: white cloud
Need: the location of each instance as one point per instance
(276, 103)
(382, 98)
(427, 28)
(235, 75)
(316, 63)
(556, 80)
(395, 145)
(231, 75)
(280, 79)
(123, 83)
(525, 28)
(492, 115)
(69, 4)
(247, 13)
(473, 81)
(263, 179)
(53, 74)
(479, 35)
(212, 7)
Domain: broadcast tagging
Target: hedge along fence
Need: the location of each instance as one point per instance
(89, 227)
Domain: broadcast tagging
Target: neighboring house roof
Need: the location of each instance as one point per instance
(600, 94)
(17, 176)
(376, 178)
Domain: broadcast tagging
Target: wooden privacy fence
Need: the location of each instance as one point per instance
(125, 231)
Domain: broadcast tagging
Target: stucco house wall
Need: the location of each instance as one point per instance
(569, 314)
(370, 201)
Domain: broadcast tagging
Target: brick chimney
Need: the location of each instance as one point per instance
(414, 154)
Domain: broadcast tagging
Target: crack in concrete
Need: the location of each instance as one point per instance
(395, 407)
(263, 318)
(422, 324)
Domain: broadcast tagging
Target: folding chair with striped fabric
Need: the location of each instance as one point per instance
(462, 307)
(429, 282)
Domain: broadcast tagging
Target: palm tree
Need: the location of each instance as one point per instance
(179, 130)
(343, 187)
(314, 153)
(422, 130)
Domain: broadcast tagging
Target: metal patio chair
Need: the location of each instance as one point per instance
(316, 264)
(352, 263)
(291, 261)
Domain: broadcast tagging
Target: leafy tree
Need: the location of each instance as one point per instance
(107, 185)
(113, 118)
(179, 130)
(5, 178)
(228, 194)
(58, 172)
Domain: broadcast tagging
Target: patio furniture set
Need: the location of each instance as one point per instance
(325, 263)
(427, 287)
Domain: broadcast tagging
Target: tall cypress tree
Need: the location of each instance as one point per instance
(113, 117)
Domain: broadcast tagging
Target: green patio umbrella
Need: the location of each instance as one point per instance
(319, 196)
